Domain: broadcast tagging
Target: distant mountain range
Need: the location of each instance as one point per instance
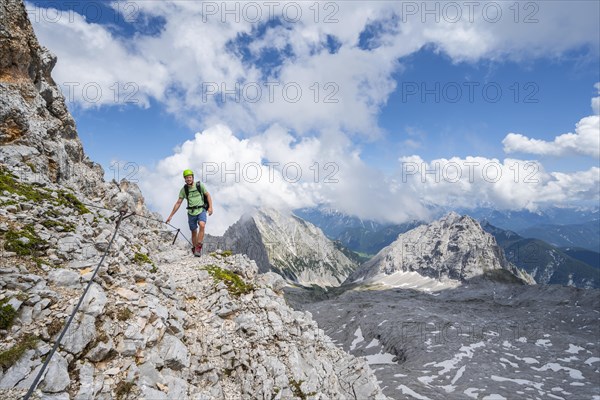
(523, 219)
(585, 235)
(560, 227)
(546, 263)
(558, 254)
(365, 237)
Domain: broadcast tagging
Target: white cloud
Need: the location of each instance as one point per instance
(94, 67)
(276, 169)
(192, 51)
(508, 184)
(585, 140)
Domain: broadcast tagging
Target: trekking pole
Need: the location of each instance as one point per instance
(175, 238)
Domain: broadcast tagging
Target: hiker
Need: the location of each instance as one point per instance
(199, 202)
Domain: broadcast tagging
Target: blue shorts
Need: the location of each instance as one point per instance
(193, 220)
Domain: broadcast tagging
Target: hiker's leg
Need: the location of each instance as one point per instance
(201, 231)
(202, 224)
(195, 238)
(193, 224)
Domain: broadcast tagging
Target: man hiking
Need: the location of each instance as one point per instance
(199, 202)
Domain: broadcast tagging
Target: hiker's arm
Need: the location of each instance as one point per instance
(175, 208)
(209, 200)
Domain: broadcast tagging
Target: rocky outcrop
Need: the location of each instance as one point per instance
(452, 248)
(156, 322)
(290, 246)
(38, 137)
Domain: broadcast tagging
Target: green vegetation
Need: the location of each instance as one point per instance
(235, 285)
(141, 258)
(123, 388)
(69, 200)
(124, 314)
(30, 247)
(295, 386)
(37, 194)
(12, 355)
(7, 314)
(8, 203)
(224, 253)
(9, 183)
(67, 227)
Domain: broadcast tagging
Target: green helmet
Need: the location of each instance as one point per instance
(188, 172)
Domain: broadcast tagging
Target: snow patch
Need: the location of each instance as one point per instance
(359, 338)
(526, 382)
(574, 349)
(381, 358)
(591, 360)
(543, 343)
(405, 390)
(573, 373)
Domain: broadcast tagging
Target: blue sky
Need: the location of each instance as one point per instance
(385, 89)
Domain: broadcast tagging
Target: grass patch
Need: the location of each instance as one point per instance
(7, 314)
(9, 203)
(141, 259)
(235, 285)
(295, 386)
(69, 200)
(123, 388)
(10, 183)
(12, 355)
(38, 195)
(226, 253)
(124, 314)
(50, 224)
(30, 247)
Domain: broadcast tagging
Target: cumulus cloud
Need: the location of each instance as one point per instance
(201, 51)
(96, 68)
(198, 55)
(275, 169)
(508, 184)
(585, 140)
(279, 170)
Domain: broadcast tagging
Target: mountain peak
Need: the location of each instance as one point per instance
(288, 245)
(452, 248)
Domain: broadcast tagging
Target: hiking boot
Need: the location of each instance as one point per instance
(193, 250)
(198, 250)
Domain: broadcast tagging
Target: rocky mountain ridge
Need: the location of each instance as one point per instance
(452, 248)
(288, 245)
(156, 323)
(547, 264)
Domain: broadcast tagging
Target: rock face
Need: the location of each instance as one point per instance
(156, 323)
(452, 248)
(37, 133)
(290, 246)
